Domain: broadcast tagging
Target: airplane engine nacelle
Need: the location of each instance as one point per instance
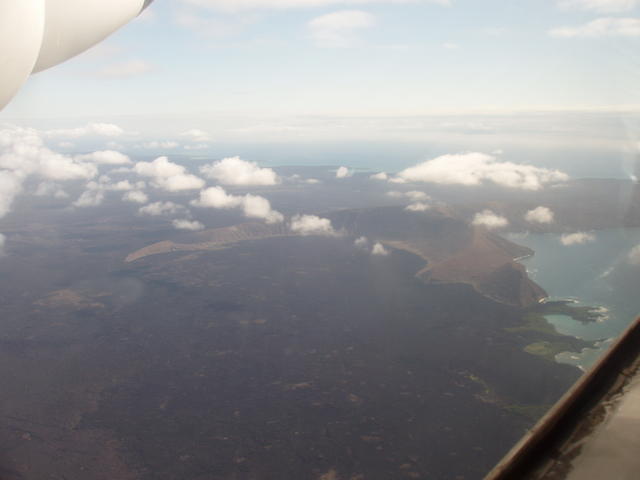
(38, 34)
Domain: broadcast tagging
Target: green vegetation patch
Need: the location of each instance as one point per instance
(578, 313)
(549, 349)
(535, 322)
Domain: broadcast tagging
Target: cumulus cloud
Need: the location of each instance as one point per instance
(338, 29)
(311, 225)
(135, 196)
(343, 172)
(91, 197)
(10, 187)
(185, 224)
(124, 186)
(97, 129)
(217, 197)
(95, 191)
(253, 206)
(50, 189)
(634, 255)
(361, 242)
(235, 171)
(416, 195)
(476, 168)
(22, 151)
(417, 207)
(601, 27)
(240, 5)
(379, 176)
(577, 238)
(489, 219)
(105, 157)
(395, 194)
(160, 208)
(130, 68)
(168, 176)
(196, 135)
(378, 249)
(23, 155)
(600, 6)
(156, 145)
(539, 215)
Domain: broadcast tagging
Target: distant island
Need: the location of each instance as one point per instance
(454, 250)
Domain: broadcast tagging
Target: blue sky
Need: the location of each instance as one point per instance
(273, 68)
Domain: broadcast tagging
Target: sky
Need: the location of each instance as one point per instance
(352, 57)
(456, 74)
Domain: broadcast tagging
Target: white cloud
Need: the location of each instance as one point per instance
(196, 135)
(338, 29)
(489, 219)
(160, 208)
(168, 176)
(578, 238)
(23, 152)
(50, 189)
(253, 206)
(91, 197)
(105, 157)
(416, 195)
(130, 68)
(395, 194)
(475, 168)
(600, 6)
(120, 170)
(124, 186)
(156, 145)
(417, 207)
(23, 155)
(634, 255)
(343, 172)
(378, 249)
(539, 215)
(235, 171)
(601, 27)
(311, 225)
(10, 187)
(240, 5)
(217, 197)
(379, 176)
(312, 181)
(185, 224)
(135, 196)
(98, 129)
(362, 242)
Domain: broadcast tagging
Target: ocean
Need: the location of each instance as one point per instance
(598, 274)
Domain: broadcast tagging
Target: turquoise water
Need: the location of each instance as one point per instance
(597, 274)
